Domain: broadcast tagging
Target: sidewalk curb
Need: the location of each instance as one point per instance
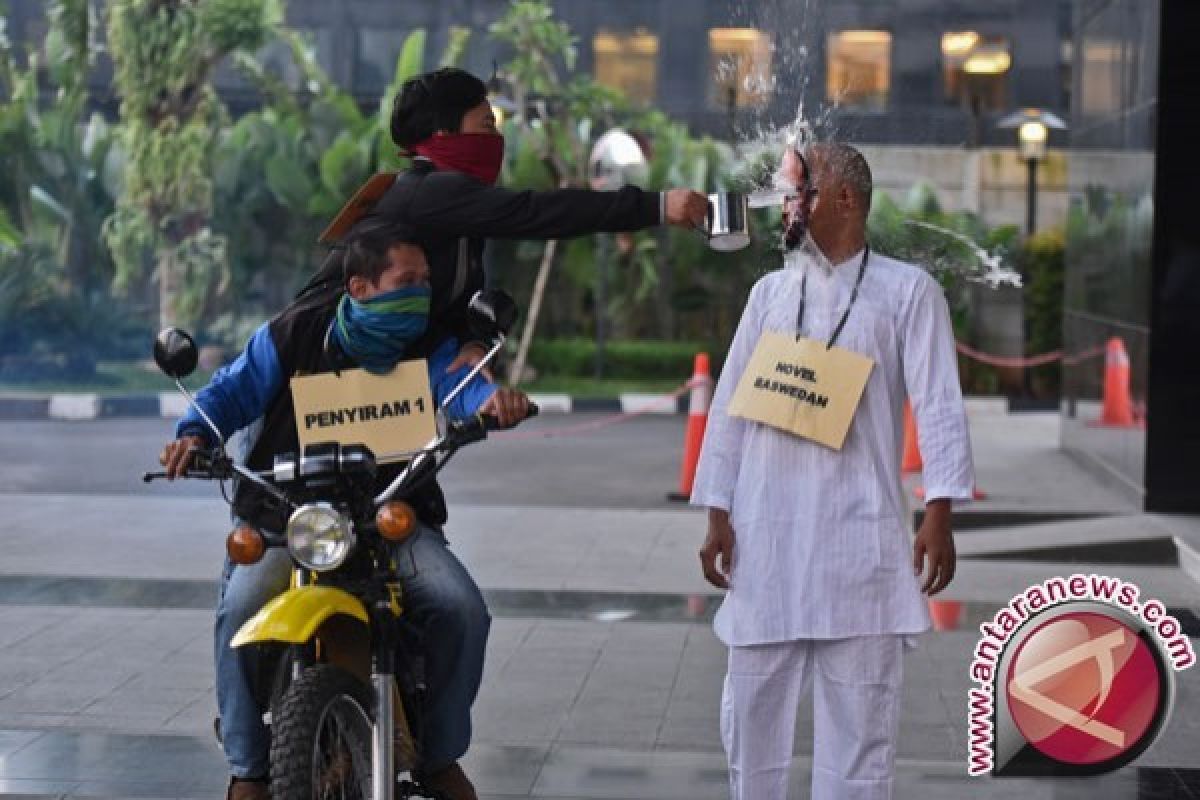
(88, 406)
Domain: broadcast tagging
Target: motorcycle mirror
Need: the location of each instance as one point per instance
(175, 352)
(491, 312)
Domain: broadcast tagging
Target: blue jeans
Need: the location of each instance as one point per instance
(439, 595)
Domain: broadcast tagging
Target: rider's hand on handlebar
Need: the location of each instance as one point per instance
(177, 455)
(470, 355)
(508, 406)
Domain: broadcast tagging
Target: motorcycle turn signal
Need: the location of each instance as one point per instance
(245, 545)
(396, 521)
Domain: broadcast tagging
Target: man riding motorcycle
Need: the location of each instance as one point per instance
(380, 319)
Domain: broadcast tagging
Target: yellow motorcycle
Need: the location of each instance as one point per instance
(344, 680)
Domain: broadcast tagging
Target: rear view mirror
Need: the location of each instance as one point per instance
(491, 312)
(175, 353)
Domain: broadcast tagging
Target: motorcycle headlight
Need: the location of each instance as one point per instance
(319, 537)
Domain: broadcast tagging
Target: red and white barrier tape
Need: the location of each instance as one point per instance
(673, 396)
(603, 422)
(1028, 361)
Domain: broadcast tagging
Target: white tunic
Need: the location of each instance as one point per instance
(822, 537)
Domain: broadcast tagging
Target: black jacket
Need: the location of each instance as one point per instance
(450, 210)
(299, 334)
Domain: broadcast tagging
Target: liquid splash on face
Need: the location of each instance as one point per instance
(761, 140)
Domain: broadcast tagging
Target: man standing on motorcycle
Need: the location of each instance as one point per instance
(379, 320)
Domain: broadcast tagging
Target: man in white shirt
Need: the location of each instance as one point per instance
(812, 543)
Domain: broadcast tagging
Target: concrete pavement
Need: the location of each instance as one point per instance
(603, 674)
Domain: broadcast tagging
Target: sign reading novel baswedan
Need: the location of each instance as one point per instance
(802, 387)
(390, 413)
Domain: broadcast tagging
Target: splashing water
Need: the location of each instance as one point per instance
(761, 140)
(989, 269)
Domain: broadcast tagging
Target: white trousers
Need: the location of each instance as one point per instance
(856, 688)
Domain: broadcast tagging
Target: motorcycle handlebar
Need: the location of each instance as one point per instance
(492, 423)
(205, 465)
(213, 465)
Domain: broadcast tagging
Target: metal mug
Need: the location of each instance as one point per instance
(728, 224)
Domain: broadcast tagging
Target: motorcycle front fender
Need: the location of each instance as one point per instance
(295, 616)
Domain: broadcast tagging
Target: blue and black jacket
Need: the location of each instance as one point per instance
(257, 385)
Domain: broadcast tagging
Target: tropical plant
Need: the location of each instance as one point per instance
(283, 172)
(1043, 262)
(1110, 236)
(56, 317)
(556, 123)
(958, 249)
(164, 54)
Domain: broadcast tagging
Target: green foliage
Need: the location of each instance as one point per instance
(955, 248)
(284, 171)
(70, 40)
(48, 329)
(541, 46)
(1043, 262)
(10, 237)
(231, 25)
(55, 313)
(164, 53)
(1109, 236)
(950, 245)
(644, 359)
(654, 274)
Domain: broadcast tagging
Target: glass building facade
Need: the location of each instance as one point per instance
(1132, 310)
(936, 72)
(1109, 240)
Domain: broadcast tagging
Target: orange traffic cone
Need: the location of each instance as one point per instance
(1118, 403)
(911, 462)
(946, 614)
(698, 401)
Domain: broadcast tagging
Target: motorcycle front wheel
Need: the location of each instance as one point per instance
(321, 738)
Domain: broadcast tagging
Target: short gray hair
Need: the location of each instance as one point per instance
(846, 162)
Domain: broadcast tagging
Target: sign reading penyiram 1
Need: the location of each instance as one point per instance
(802, 387)
(391, 414)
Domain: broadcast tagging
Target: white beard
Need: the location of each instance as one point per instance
(808, 251)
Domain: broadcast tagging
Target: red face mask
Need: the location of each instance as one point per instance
(479, 155)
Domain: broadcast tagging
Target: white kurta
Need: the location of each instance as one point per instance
(822, 537)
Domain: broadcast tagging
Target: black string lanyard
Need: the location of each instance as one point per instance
(862, 268)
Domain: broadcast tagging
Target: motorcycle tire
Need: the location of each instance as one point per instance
(321, 738)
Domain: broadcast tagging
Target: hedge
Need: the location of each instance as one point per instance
(623, 360)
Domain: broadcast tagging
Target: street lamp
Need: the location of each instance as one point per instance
(1033, 129)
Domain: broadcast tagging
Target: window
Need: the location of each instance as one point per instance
(859, 69)
(1104, 70)
(975, 70)
(740, 61)
(628, 62)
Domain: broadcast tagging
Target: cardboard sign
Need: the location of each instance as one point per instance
(803, 388)
(357, 206)
(391, 414)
